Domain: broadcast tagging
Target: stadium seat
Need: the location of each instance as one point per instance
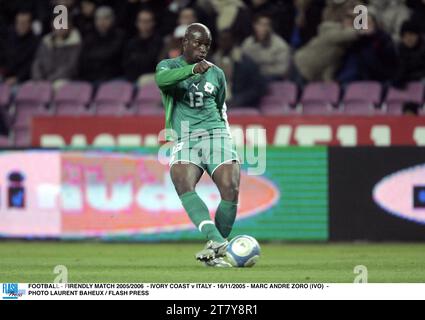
(362, 98)
(72, 109)
(148, 100)
(320, 98)
(5, 94)
(32, 99)
(396, 98)
(113, 98)
(281, 93)
(33, 95)
(280, 99)
(73, 98)
(114, 109)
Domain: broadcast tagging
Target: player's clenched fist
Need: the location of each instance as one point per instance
(202, 66)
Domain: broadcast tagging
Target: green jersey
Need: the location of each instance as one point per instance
(191, 101)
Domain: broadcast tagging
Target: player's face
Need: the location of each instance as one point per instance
(196, 46)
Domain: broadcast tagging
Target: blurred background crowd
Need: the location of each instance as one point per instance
(254, 41)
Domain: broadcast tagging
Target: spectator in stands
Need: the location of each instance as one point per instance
(232, 15)
(307, 20)
(84, 21)
(245, 85)
(187, 16)
(102, 50)
(412, 54)
(57, 56)
(392, 13)
(71, 5)
(372, 57)
(282, 13)
(172, 15)
(320, 59)
(10, 8)
(142, 52)
(19, 48)
(417, 8)
(127, 11)
(267, 49)
(4, 123)
(3, 26)
(172, 42)
(3, 34)
(337, 10)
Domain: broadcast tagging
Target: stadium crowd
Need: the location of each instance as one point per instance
(254, 41)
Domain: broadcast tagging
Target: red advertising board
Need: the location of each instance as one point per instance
(273, 130)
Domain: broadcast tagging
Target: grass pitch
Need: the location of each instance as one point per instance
(106, 262)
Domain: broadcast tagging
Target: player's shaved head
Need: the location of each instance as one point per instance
(197, 30)
(196, 42)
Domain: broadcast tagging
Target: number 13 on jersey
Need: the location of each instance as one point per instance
(196, 99)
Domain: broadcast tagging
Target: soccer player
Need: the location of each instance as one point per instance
(193, 93)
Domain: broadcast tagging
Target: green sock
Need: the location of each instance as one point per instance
(200, 216)
(225, 217)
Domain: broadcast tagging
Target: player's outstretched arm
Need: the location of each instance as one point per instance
(166, 77)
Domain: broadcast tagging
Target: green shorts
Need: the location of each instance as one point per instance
(208, 153)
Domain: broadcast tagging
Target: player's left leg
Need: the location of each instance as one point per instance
(227, 178)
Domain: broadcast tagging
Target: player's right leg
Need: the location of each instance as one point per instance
(185, 176)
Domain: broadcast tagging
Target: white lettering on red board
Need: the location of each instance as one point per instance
(284, 135)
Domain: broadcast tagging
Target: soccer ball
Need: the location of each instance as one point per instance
(243, 251)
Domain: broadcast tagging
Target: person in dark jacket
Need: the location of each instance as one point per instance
(245, 84)
(417, 9)
(84, 21)
(372, 56)
(102, 50)
(141, 53)
(18, 50)
(412, 54)
(308, 17)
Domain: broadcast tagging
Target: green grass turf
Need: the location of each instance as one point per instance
(101, 262)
